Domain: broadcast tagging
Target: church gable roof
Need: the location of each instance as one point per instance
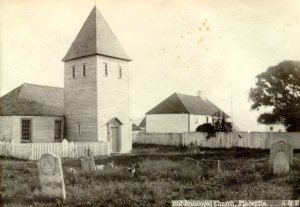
(187, 104)
(32, 100)
(171, 105)
(199, 106)
(96, 37)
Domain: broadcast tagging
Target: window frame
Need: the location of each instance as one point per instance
(61, 130)
(84, 70)
(79, 128)
(30, 130)
(73, 71)
(105, 69)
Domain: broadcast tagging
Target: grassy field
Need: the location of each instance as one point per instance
(163, 175)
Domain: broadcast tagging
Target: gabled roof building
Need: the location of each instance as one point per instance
(181, 113)
(93, 106)
(32, 113)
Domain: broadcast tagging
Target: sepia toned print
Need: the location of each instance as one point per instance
(161, 103)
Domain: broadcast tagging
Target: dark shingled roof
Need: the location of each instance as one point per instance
(33, 100)
(143, 123)
(135, 127)
(96, 37)
(186, 104)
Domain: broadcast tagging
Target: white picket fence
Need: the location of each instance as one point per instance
(33, 151)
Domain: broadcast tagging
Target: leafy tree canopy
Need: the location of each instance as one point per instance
(279, 89)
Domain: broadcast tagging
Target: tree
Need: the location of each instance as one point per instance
(279, 89)
(219, 125)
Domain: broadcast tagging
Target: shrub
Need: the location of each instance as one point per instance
(208, 128)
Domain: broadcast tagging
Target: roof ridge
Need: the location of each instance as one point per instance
(41, 85)
(182, 102)
(96, 28)
(8, 93)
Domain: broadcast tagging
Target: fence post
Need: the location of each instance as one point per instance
(12, 149)
(64, 148)
(6, 147)
(31, 152)
(219, 166)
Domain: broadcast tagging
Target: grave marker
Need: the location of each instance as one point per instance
(281, 157)
(283, 146)
(51, 176)
(88, 164)
(281, 164)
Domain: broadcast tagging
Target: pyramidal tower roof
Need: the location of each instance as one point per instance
(96, 37)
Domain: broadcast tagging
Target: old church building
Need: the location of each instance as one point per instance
(92, 106)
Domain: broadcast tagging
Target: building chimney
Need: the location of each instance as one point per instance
(201, 94)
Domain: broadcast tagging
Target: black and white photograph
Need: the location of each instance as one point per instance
(150, 103)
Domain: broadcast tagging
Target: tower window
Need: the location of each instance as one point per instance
(207, 119)
(83, 70)
(78, 128)
(73, 71)
(105, 69)
(120, 72)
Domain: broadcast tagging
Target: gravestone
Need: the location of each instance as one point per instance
(88, 164)
(281, 157)
(51, 176)
(283, 146)
(281, 164)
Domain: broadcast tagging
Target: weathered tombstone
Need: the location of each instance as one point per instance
(88, 164)
(281, 157)
(281, 164)
(51, 176)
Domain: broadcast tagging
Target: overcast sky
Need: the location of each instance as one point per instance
(217, 46)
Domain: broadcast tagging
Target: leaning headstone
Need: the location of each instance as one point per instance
(88, 164)
(51, 176)
(281, 157)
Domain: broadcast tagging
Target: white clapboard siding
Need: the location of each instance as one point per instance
(33, 151)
